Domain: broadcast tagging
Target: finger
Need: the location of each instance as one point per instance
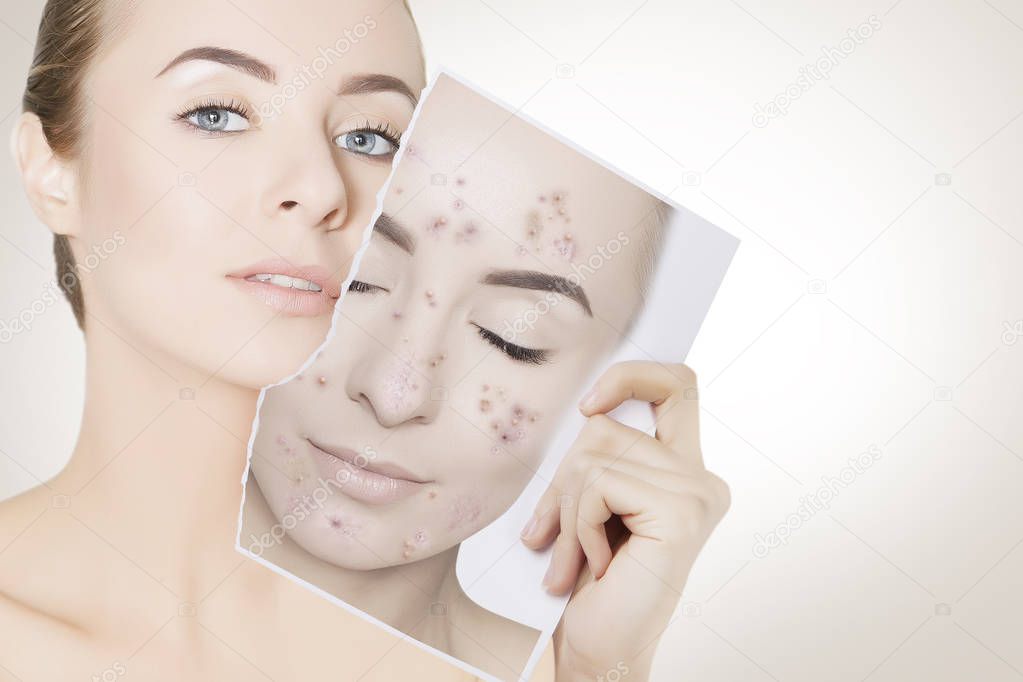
(593, 514)
(611, 493)
(544, 523)
(568, 558)
(670, 388)
(607, 438)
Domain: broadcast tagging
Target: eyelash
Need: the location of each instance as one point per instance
(363, 287)
(234, 106)
(532, 356)
(384, 130)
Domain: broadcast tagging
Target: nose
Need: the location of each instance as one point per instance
(305, 184)
(398, 388)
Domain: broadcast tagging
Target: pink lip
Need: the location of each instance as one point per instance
(292, 302)
(370, 482)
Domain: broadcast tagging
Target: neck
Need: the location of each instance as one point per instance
(158, 463)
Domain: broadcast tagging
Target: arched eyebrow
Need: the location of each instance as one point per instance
(240, 61)
(366, 83)
(540, 281)
(394, 232)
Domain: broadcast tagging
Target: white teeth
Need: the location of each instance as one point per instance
(286, 282)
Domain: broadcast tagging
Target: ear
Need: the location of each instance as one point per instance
(49, 180)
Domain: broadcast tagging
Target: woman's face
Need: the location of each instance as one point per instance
(503, 270)
(233, 155)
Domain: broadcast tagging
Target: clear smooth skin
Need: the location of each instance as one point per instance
(426, 414)
(126, 558)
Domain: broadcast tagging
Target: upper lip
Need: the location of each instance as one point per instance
(389, 469)
(317, 274)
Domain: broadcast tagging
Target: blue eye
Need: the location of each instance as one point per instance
(368, 141)
(217, 117)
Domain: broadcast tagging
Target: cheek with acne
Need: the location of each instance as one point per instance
(343, 524)
(418, 540)
(510, 422)
(464, 511)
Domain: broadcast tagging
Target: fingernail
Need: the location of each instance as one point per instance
(528, 529)
(589, 400)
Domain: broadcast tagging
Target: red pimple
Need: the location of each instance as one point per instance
(322, 380)
(485, 406)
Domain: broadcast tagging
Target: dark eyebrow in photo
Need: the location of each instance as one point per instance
(540, 281)
(393, 231)
(366, 83)
(222, 55)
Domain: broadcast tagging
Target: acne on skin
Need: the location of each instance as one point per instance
(512, 426)
(550, 216)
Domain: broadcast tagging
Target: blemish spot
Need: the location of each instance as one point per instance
(432, 494)
(467, 234)
(396, 315)
(565, 247)
(321, 381)
(485, 406)
(399, 190)
(281, 440)
(397, 387)
(294, 469)
(460, 182)
(431, 298)
(344, 526)
(465, 509)
(437, 226)
(458, 205)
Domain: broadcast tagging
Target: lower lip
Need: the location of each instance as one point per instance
(291, 302)
(361, 484)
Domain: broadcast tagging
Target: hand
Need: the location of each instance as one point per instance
(633, 509)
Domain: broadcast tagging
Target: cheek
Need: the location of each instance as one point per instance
(465, 510)
(510, 423)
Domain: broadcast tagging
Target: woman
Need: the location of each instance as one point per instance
(429, 409)
(225, 158)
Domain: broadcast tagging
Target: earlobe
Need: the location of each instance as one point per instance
(46, 176)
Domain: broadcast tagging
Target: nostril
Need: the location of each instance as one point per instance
(288, 205)
(331, 217)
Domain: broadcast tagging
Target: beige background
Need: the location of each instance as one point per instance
(877, 300)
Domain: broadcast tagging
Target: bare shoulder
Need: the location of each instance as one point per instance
(31, 629)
